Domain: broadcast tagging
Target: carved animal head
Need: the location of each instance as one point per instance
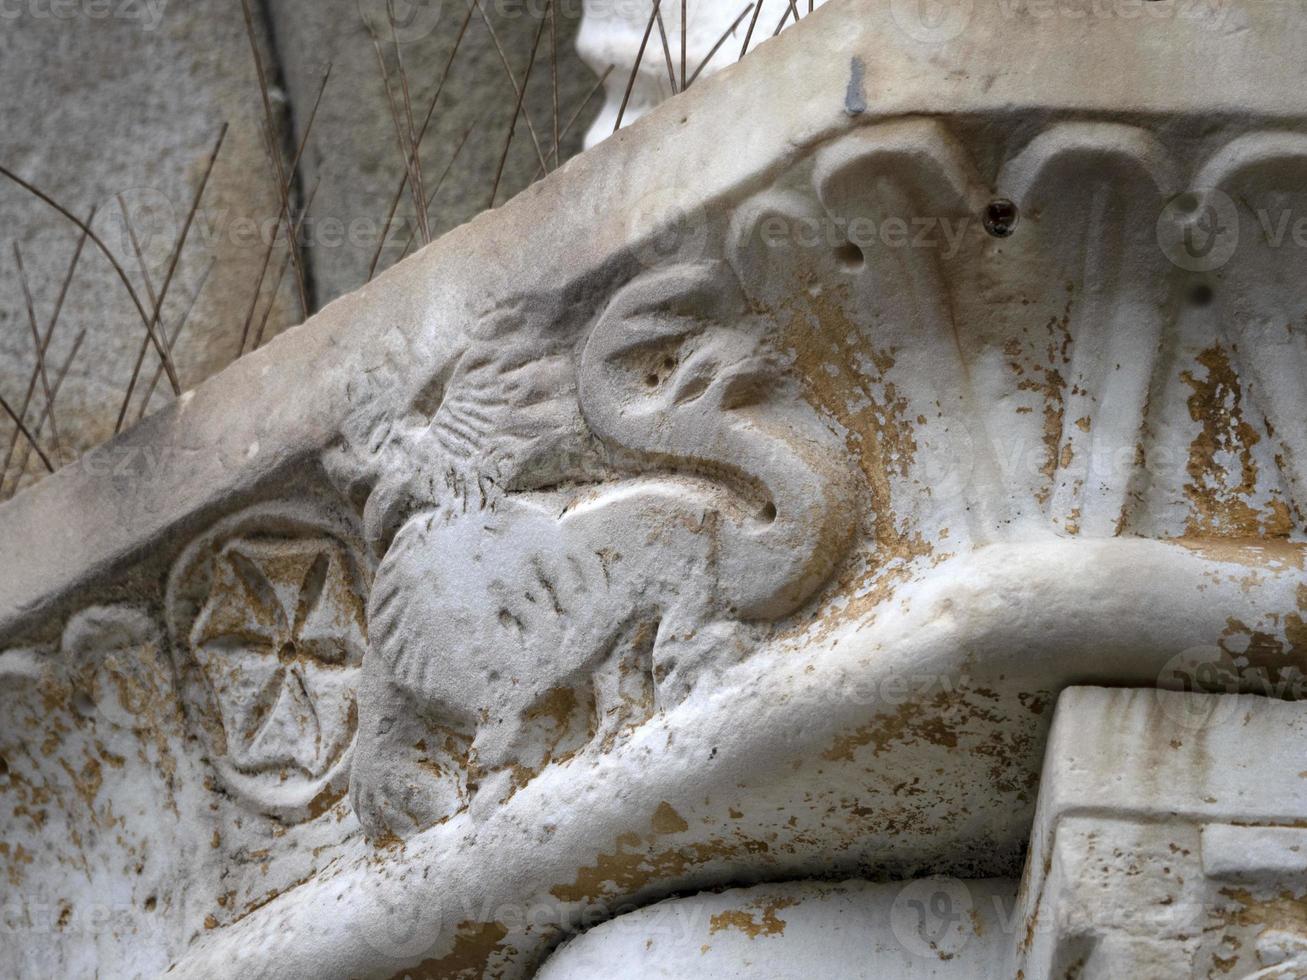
(677, 374)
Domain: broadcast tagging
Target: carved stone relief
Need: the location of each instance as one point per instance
(1168, 842)
(529, 626)
(724, 435)
(266, 614)
(93, 786)
(759, 558)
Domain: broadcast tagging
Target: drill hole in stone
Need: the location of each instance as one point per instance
(768, 512)
(651, 380)
(1000, 217)
(83, 704)
(850, 257)
(1200, 295)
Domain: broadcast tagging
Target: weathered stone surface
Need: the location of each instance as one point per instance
(1169, 839)
(938, 928)
(352, 154)
(731, 506)
(103, 99)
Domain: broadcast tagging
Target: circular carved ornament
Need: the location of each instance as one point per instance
(266, 614)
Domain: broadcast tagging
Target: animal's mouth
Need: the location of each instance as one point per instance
(749, 382)
(735, 384)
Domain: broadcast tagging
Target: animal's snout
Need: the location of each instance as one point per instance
(748, 382)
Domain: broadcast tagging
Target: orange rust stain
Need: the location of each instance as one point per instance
(911, 720)
(1295, 625)
(1261, 650)
(1219, 496)
(633, 864)
(1285, 912)
(769, 923)
(326, 799)
(475, 943)
(846, 377)
(1046, 380)
(667, 821)
(1275, 554)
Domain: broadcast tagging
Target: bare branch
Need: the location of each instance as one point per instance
(431, 110)
(553, 71)
(48, 412)
(579, 109)
(635, 68)
(283, 182)
(276, 288)
(173, 261)
(272, 242)
(791, 9)
(720, 41)
(26, 435)
(683, 26)
(517, 109)
(172, 339)
(117, 268)
(503, 58)
(45, 343)
(748, 34)
(667, 54)
(39, 347)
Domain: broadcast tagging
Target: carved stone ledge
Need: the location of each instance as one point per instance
(1169, 840)
(939, 928)
(739, 500)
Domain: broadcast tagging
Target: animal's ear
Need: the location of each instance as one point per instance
(640, 339)
(663, 305)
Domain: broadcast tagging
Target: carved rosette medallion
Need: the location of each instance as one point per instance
(266, 613)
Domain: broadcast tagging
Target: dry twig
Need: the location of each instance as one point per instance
(113, 261)
(173, 261)
(517, 109)
(272, 241)
(283, 181)
(26, 435)
(635, 68)
(720, 41)
(45, 343)
(577, 113)
(276, 288)
(39, 347)
(172, 339)
(48, 411)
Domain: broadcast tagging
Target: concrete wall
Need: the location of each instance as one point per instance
(103, 97)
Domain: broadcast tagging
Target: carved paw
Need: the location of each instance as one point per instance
(410, 770)
(398, 799)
